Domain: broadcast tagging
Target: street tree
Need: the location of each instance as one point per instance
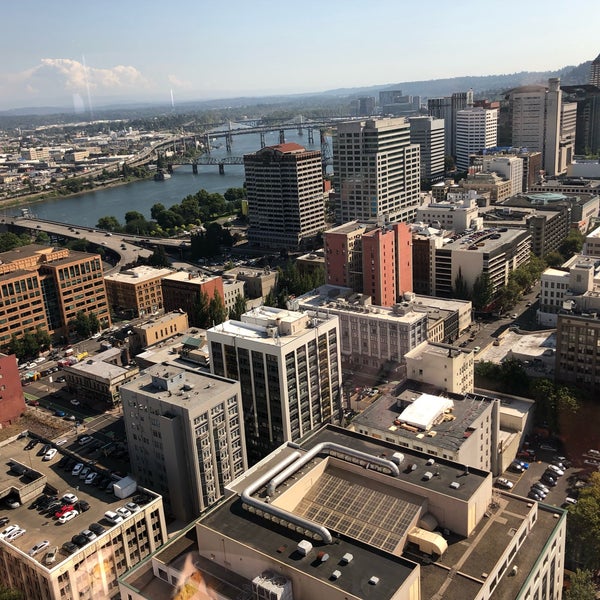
(109, 223)
(582, 586)
(483, 291)
(238, 309)
(217, 313)
(583, 526)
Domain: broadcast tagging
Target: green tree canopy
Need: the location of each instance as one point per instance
(10, 241)
(582, 586)
(109, 223)
(483, 291)
(217, 313)
(572, 244)
(583, 526)
(238, 309)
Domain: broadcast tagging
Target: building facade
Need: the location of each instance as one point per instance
(446, 108)
(540, 123)
(284, 186)
(376, 171)
(476, 130)
(587, 99)
(46, 287)
(12, 400)
(185, 433)
(578, 350)
(288, 365)
(428, 133)
(489, 252)
(181, 291)
(137, 290)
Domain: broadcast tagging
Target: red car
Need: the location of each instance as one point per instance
(62, 510)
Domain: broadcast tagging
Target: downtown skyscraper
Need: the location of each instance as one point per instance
(376, 171)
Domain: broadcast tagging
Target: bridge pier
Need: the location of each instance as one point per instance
(262, 139)
(221, 169)
(195, 168)
(228, 142)
(311, 135)
(207, 143)
(170, 168)
(300, 130)
(282, 136)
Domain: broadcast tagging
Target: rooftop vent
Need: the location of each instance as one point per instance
(455, 485)
(304, 547)
(430, 461)
(336, 575)
(398, 458)
(346, 558)
(427, 475)
(374, 580)
(323, 556)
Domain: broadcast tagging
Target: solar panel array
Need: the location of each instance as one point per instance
(371, 516)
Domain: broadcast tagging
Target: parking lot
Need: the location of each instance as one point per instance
(567, 485)
(43, 525)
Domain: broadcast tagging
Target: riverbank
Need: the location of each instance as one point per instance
(49, 195)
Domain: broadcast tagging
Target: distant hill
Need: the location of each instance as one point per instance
(489, 84)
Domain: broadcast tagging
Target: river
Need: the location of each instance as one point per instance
(85, 209)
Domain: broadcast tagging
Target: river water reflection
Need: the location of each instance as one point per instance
(85, 209)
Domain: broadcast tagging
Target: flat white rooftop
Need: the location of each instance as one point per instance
(425, 410)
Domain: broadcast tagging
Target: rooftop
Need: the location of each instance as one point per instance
(138, 274)
(179, 386)
(98, 366)
(191, 278)
(450, 432)
(487, 240)
(40, 526)
(159, 320)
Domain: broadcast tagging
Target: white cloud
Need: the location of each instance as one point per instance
(57, 76)
(179, 83)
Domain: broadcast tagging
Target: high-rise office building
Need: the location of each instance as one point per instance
(587, 98)
(288, 364)
(376, 171)
(185, 434)
(428, 132)
(286, 207)
(373, 260)
(446, 108)
(476, 130)
(395, 103)
(539, 122)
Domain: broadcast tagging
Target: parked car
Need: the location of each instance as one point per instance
(123, 512)
(84, 472)
(504, 483)
(86, 439)
(534, 496)
(548, 479)
(90, 535)
(91, 476)
(39, 547)
(68, 516)
(32, 444)
(4, 521)
(59, 413)
(556, 470)
(541, 487)
(538, 491)
(132, 507)
(9, 530)
(69, 498)
(13, 535)
(69, 547)
(79, 540)
(77, 469)
(83, 506)
(65, 508)
(50, 557)
(97, 528)
(516, 466)
(50, 454)
(112, 517)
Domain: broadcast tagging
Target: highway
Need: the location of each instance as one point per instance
(125, 246)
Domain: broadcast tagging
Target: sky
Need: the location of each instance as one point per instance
(77, 52)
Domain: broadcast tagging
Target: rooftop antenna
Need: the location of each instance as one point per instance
(172, 100)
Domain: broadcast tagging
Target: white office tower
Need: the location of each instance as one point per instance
(289, 367)
(537, 118)
(509, 166)
(476, 130)
(446, 108)
(429, 134)
(376, 171)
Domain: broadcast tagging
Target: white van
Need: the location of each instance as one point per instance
(112, 517)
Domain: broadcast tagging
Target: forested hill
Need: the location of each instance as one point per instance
(480, 84)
